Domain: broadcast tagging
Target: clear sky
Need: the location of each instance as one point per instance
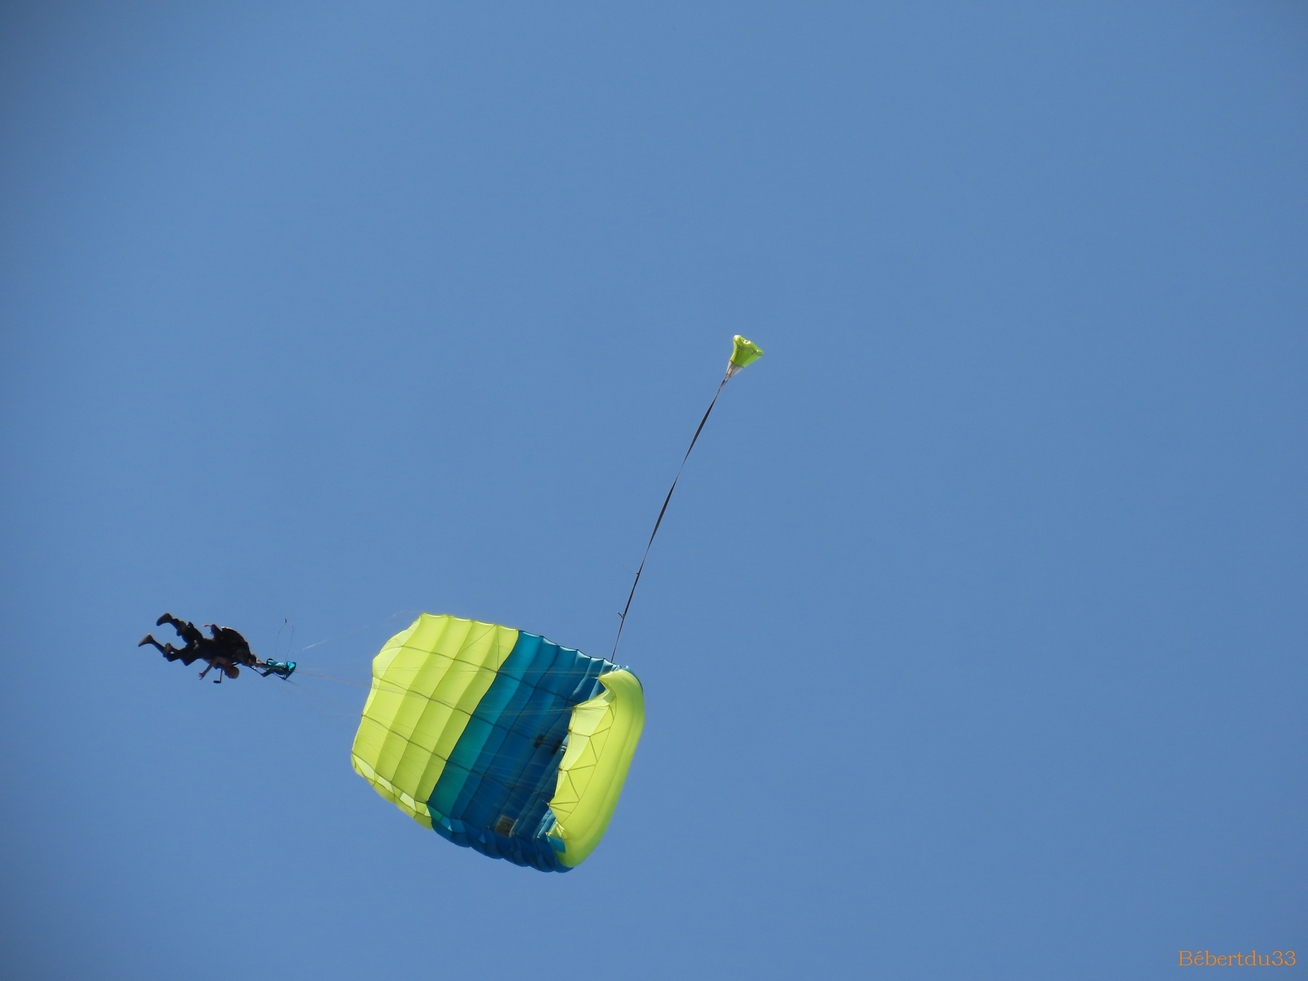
(973, 644)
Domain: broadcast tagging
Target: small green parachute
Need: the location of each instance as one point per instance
(744, 353)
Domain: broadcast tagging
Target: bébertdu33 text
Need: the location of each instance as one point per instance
(1206, 958)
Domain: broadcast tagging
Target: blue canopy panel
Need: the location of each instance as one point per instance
(494, 792)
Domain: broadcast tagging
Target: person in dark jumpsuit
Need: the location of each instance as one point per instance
(225, 650)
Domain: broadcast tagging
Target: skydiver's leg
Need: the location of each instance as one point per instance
(167, 650)
(173, 653)
(185, 629)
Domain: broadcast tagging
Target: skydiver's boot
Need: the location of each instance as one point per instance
(149, 639)
(166, 618)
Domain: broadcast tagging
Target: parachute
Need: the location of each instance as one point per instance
(499, 740)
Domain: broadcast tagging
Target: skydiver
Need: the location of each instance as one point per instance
(224, 650)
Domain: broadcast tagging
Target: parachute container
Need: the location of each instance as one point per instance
(499, 740)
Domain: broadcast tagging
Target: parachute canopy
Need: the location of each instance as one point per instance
(499, 740)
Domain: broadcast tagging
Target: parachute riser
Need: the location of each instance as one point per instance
(743, 353)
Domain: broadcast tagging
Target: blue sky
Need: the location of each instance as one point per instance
(973, 644)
